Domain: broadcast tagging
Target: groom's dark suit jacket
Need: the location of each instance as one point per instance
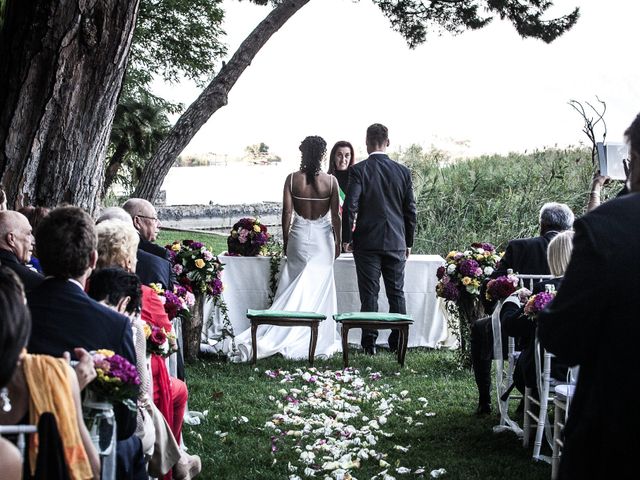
(593, 322)
(380, 193)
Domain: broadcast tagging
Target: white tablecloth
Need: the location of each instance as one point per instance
(246, 285)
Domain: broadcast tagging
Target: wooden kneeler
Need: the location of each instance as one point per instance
(375, 321)
(284, 319)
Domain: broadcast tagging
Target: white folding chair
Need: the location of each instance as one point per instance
(20, 431)
(504, 371)
(562, 401)
(541, 419)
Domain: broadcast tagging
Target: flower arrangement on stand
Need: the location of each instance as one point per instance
(539, 301)
(501, 287)
(199, 273)
(459, 282)
(117, 379)
(248, 238)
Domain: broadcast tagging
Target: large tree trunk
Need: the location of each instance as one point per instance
(61, 68)
(210, 100)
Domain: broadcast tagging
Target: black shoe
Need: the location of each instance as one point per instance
(483, 409)
(370, 350)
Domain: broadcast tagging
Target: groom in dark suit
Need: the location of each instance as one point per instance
(381, 204)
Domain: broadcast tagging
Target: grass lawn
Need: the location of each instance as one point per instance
(216, 243)
(454, 439)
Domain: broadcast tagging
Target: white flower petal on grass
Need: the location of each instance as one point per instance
(294, 477)
(386, 476)
(400, 448)
(374, 424)
(383, 464)
(382, 420)
(419, 471)
(423, 400)
(404, 393)
(403, 470)
(291, 468)
(307, 457)
(309, 472)
(438, 473)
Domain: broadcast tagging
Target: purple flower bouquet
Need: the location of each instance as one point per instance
(248, 238)
(537, 303)
(117, 379)
(501, 287)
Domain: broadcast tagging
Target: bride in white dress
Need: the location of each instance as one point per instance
(311, 229)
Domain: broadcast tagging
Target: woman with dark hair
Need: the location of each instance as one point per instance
(311, 230)
(341, 159)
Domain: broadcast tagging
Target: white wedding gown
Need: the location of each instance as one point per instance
(306, 285)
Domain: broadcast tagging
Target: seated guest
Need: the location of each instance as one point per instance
(516, 324)
(157, 268)
(593, 322)
(40, 384)
(117, 245)
(35, 216)
(121, 290)
(526, 256)
(16, 245)
(65, 317)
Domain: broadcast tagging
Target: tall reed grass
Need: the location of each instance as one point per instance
(492, 198)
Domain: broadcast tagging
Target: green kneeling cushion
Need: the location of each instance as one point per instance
(284, 314)
(373, 316)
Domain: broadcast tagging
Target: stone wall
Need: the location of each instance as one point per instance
(214, 217)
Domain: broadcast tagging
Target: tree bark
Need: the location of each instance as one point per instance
(115, 162)
(210, 100)
(61, 69)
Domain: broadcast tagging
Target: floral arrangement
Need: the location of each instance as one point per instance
(538, 302)
(198, 270)
(501, 287)
(248, 238)
(159, 341)
(465, 270)
(176, 303)
(117, 379)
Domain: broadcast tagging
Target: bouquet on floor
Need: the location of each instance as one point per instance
(248, 238)
(198, 270)
(501, 287)
(465, 271)
(117, 379)
(539, 301)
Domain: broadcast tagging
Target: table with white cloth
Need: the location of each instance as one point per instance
(246, 286)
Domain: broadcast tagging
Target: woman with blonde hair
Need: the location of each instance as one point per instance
(117, 247)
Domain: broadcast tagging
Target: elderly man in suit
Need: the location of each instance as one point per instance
(16, 246)
(380, 202)
(153, 260)
(593, 322)
(523, 255)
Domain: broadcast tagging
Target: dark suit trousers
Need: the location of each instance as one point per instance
(369, 266)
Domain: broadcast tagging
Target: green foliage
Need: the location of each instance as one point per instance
(492, 198)
(215, 242)
(454, 439)
(139, 125)
(175, 38)
(414, 18)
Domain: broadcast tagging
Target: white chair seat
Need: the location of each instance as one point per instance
(565, 391)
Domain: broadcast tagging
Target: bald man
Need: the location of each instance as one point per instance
(153, 260)
(16, 245)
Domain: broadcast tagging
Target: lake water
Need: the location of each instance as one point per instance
(235, 183)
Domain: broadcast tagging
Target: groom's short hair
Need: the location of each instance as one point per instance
(377, 134)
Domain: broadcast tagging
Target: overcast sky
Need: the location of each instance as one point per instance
(336, 67)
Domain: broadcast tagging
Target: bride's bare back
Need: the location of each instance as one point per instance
(311, 200)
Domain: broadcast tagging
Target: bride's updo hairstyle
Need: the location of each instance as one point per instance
(313, 150)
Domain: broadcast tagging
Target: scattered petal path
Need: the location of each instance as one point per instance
(321, 416)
